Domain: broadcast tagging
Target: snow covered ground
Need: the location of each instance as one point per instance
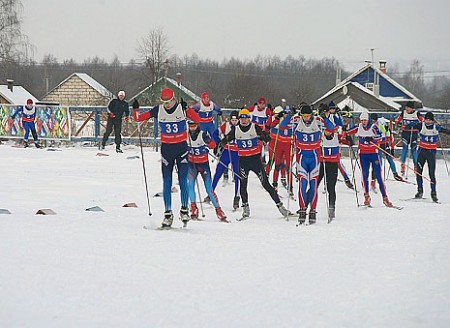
(371, 267)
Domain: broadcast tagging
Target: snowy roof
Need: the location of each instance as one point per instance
(19, 95)
(91, 82)
(175, 84)
(389, 100)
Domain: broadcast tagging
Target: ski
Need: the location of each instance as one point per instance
(403, 180)
(413, 199)
(395, 207)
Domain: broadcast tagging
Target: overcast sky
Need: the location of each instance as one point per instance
(398, 30)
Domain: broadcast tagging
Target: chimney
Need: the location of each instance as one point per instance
(178, 78)
(10, 84)
(383, 67)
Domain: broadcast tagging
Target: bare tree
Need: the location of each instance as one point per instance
(153, 50)
(14, 46)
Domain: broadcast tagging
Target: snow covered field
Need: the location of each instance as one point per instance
(371, 267)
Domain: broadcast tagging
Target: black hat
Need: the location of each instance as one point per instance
(306, 109)
(332, 104)
(410, 104)
(234, 114)
(374, 116)
(429, 116)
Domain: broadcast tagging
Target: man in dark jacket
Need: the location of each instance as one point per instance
(117, 108)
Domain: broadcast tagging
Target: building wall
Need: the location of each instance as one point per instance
(76, 92)
(3, 100)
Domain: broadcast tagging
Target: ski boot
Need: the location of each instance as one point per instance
(312, 216)
(118, 150)
(246, 212)
(207, 200)
(283, 182)
(25, 144)
(386, 201)
(236, 200)
(331, 212)
(419, 193)
(367, 199)
(168, 219)
(285, 212)
(301, 215)
(434, 196)
(184, 216)
(101, 146)
(275, 185)
(221, 215)
(194, 211)
(403, 169)
(349, 184)
(37, 145)
(398, 177)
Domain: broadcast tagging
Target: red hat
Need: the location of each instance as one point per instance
(167, 95)
(205, 95)
(29, 101)
(261, 100)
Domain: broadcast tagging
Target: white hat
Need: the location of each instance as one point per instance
(364, 116)
(121, 93)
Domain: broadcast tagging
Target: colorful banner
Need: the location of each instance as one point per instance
(52, 122)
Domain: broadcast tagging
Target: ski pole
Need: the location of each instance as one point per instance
(443, 154)
(226, 166)
(353, 157)
(398, 160)
(135, 106)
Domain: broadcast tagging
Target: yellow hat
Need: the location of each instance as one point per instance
(244, 113)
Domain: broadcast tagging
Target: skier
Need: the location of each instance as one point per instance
(205, 109)
(260, 112)
(28, 113)
(385, 143)
(330, 155)
(229, 155)
(368, 135)
(408, 119)
(117, 108)
(248, 136)
(199, 144)
(174, 148)
(307, 138)
(280, 148)
(428, 138)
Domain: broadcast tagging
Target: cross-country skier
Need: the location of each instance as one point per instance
(205, 109)
(368, 135)
(199, 144)
(229, 155)
(408, 119)
(249, 137)
(428, 138)
(385, 143)
(28, 113)
(174, 148)
(307, 138)
(280, 148)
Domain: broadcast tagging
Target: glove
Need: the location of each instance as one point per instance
(368, 139)
(293, 111)
(126, 118)
(183, 104)
(280, 115)
(223, 142)
(112, 115)
(266, 137)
